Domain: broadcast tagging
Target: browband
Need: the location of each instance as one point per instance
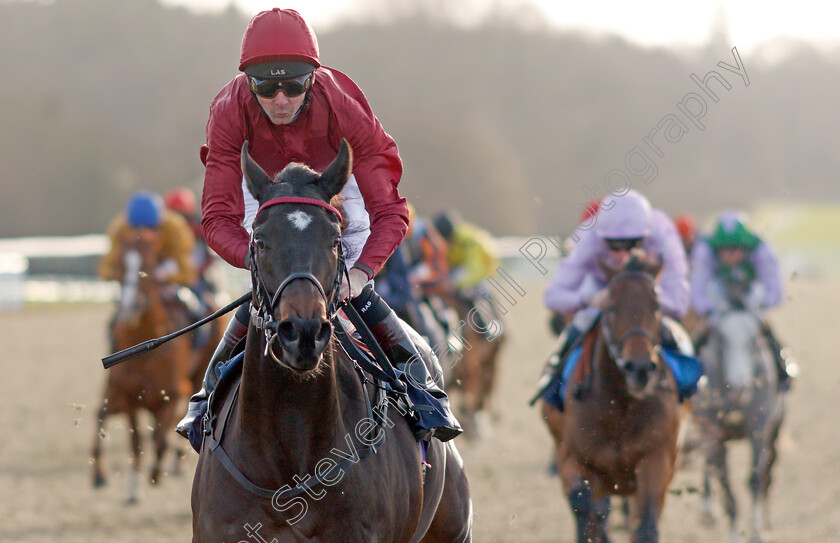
(299, 200)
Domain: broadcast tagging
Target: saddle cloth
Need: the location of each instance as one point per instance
(687, 371)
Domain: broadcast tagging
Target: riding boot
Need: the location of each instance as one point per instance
(551, 380)
(784, 370)
(673, 336)
(410, 354)
(197, 406)
(572, 335)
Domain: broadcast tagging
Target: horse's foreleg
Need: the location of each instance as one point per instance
(716, 462)
(164, 422)
(470, 390)
(763, 456)
(590, 514)
(488, 378)
(554, 421)
(99, 475)
(653, 475)
(707, 516)
(772, 455)
(583, 507)
(133, 494)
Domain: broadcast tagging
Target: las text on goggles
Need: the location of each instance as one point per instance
(268, 88)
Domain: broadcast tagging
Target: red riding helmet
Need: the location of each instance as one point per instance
(686, 226)
(589, 210)
(181, 200)
(278, 43)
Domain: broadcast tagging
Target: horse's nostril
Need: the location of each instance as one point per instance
(324, 332)
(287, 331)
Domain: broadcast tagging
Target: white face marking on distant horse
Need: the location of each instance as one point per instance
(299, 219)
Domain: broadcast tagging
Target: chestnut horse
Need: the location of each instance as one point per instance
(158, 380)
(618, 434)
(302, 455)
(481, 334)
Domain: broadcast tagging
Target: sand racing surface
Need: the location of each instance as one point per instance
(52, 380)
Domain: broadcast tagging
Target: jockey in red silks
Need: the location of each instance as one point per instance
(579, 288)
(687, 228)
(290, 108)
(733, 268)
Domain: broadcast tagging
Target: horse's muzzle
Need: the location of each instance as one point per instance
(302, 343)
(639, 376)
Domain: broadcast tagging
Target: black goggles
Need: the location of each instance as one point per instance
(623, 244)
(268, 88)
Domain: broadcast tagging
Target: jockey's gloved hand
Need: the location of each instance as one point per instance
(599, 299)
(358, 279)
(165, 270)
(589, 287)
(754, 299)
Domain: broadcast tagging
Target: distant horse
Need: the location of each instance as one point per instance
(741, 400)
(618, 433)
(481, 334)
(296, 449)
(156, 381)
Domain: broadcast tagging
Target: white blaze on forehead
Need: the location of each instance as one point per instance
(299, 219)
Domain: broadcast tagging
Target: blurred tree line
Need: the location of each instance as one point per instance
(505, 119)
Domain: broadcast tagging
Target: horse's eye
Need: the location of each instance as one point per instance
(259, 244)
(336, 241)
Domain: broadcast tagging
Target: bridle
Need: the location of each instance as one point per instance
(262, 311)
(616, 347)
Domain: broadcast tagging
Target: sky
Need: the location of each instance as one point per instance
(648, 22)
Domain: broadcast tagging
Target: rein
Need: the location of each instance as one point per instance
(615, 347)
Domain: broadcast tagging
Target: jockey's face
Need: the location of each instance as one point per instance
(619, 249)
(731, 256)
(281, 109)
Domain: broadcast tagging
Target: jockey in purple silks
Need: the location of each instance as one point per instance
(580, 287)
(733, 268)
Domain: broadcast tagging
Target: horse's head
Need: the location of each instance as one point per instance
(296, 257)
(734, 340)
(140, 254)
(631, 321)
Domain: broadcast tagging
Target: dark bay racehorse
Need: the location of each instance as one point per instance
(301, 457)
(618, 433)
(156, 381)
(741, 400)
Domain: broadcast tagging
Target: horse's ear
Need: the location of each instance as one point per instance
(653, 266)
(608, 269)
(338, 172)
(256, 179)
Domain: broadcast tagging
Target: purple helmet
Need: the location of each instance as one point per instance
(629, 218)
